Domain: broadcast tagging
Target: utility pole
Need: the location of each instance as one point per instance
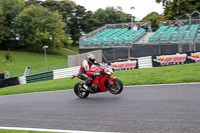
(45, 55)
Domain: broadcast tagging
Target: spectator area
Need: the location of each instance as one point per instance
(114, 37)
(166, 33)
(121, 35)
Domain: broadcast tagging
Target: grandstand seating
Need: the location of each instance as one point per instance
(158, 33)
(198, 36)
(115, 37)
(166, 33)
(124, 36)
(190, 35)
(180, 33)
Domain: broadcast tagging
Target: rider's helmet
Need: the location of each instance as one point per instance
(90, 58)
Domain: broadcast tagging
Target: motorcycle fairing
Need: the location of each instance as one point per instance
(100, 81)
(111, 80)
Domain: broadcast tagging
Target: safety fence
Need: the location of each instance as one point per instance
(137, 63)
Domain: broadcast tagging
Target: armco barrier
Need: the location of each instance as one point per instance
(145, 62)
(66, 72)
(39, 77)
(9, 82)
(22, 80)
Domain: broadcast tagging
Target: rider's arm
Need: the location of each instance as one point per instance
(89, 73)
(95, 63)
(87, 69)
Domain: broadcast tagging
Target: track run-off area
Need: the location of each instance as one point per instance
(169, 108)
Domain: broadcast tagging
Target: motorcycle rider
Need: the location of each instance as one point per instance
(84, 71)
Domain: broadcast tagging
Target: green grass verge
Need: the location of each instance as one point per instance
(19, 131)
(35, 60)
(157, 75)
(73, 48)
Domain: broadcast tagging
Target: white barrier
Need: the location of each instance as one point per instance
(22, 80)
(145, 62)
(66, 72)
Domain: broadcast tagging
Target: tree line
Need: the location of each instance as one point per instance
(31, 24)
(172, 8)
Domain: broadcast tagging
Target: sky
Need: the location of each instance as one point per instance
(142, 7)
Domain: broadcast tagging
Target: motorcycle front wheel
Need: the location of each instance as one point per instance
(117, 87)
(80, 91)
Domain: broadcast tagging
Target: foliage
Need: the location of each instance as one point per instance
(8, 56)
(76, 17)
(154, 18)
(178, 8)
(9, 10)
(2, 22)
(157, 75)
(37, 26)
(110, 15)
(164, 2)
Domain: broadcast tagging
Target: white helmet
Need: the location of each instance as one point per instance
(91, 58)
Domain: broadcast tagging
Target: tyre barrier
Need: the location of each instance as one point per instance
(9, 82)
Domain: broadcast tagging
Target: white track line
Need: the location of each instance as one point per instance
(49, 130)
(193, 83)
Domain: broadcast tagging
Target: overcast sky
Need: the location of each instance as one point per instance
(142, 7)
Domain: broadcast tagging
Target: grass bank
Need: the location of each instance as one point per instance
(158, 75)
(36, 60)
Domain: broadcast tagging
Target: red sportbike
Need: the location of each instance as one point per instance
(102, 82)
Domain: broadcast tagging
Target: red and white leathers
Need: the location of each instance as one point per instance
(85, 68)
(85, 73)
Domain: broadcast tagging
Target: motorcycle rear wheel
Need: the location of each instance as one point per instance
(80, 91)
(117, 87)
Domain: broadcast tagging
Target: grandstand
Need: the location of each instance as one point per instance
(113, 35)
(167, 39)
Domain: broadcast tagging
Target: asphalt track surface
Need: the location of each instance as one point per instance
(138, 109)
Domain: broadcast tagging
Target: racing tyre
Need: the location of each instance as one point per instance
(117, 87)
(80, 91)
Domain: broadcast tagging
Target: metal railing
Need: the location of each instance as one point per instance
(171, 23)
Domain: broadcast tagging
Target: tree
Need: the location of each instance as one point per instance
(78, 20)
(163, 1)
(154, 18)
(10, 9)
(111, 16)
(178, 8)
(33, 2)
(89, 23)
(65, 8)
(2, 22)
(37, 26)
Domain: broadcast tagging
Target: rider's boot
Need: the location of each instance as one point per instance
(87, 83)
(86, 87)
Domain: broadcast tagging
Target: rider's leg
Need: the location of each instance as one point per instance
(87, 79)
